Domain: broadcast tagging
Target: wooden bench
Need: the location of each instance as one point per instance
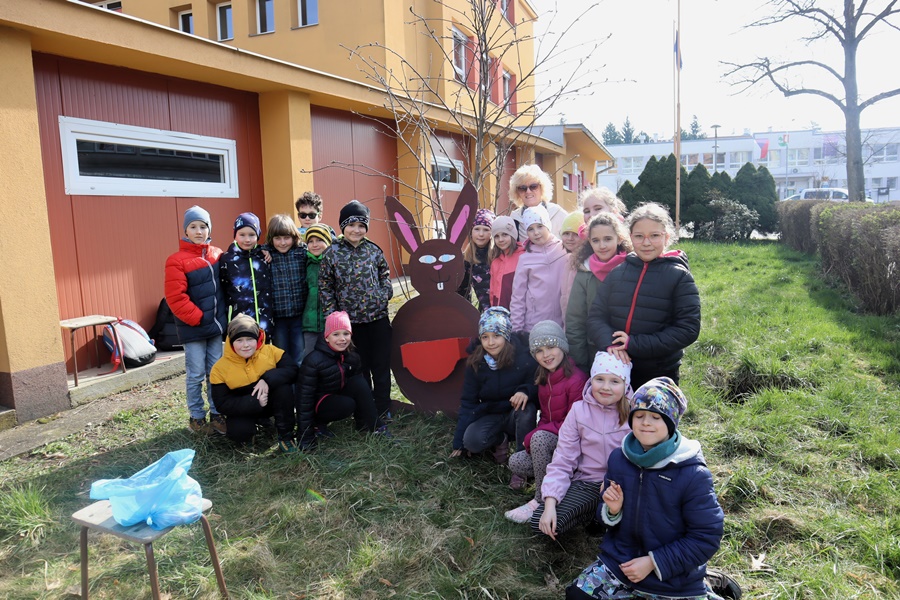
(98, 516)
(77, 323)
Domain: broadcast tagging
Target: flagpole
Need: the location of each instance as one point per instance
(677, 61)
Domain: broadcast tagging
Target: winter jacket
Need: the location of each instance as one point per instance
(537, 285)
(355, 280)
(503, 271)
(487, 392)
(481, 279)
(565, 286)
(589, 434)
(247, 283)
(581, 347)
(556, 397)
(194, 293)
(233, 377)
(557, 216)
(670, 512)
(288, 281)
(656, 303)
(313, 318)
(324, 371)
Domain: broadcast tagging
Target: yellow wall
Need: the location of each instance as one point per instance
(286, 131)
(30, 318)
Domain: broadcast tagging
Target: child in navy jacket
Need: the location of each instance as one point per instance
(246, 276)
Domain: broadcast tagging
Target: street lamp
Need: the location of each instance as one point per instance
(716, 149)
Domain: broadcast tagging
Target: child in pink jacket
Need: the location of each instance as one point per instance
(504, 258)
(594, 427)
(538, 282)
(560, 384)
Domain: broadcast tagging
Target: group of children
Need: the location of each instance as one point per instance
(304, 291)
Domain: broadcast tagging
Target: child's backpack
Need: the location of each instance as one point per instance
(136, 347)
(164, 333)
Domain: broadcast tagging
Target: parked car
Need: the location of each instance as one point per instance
(834, 194)
(792, 197)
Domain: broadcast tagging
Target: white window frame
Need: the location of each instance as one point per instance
(260, 10)
(72, 129)
(798, 157)
(180, 16)
(219, 8)
(738, 158)
(460, 40)
(454, 186)
(507, 87)
(117, 5)
(303, 9)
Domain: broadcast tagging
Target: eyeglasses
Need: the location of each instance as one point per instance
(653, 237)
(524, 188)
(311, 215)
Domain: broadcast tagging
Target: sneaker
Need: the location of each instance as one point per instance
(501, 451)
(523, 513)
(198, 425)
(217, 424)
(723, 585)
(322, 431)
(516, 482)
(288, 446)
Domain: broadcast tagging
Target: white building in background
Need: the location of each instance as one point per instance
(796, 159)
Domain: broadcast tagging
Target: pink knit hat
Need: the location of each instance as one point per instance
(336, 321)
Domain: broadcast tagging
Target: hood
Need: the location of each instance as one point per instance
(675, 256)
(688, 451)
(229, 354)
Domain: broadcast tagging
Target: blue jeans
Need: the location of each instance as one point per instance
(199, 358)
(288, 335)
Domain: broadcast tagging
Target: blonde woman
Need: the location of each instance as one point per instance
(528, 187)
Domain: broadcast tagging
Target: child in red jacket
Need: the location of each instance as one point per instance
(194, 294)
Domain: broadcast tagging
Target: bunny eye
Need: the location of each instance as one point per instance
(427, 259)
(446, 257)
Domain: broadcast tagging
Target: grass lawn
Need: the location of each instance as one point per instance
(793, 394)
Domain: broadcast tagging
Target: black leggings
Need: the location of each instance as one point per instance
(373, 342)
(355, 398)
(242, 427)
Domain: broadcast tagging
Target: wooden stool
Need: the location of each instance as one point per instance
(99, 516)
(77, 323)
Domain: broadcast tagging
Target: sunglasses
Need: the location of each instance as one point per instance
(524, 188)
(311, 215)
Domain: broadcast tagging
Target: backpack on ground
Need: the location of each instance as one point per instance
(164, 333)
(136, 348)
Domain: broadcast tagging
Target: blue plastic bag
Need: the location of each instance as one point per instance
(162, 494)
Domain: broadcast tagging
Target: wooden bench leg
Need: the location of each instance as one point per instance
(214, 556)
(84, 563)
(74, 358)
(151, 568)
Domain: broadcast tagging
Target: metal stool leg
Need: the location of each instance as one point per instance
(84, 563)
(151, 568)
(214, 556)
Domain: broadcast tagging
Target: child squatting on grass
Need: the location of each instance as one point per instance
(560, 384)
(664, 519)
(593, 428)
(499, 398)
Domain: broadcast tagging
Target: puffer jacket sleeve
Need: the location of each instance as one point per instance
(576, 323)
(176, 288)
(598, 327)
(307, 384)
(284, 373)
(703, 525)
(467, 405)
(517, 306)
(238, 402)
(384, 277)
(681, 332)
(327, 297)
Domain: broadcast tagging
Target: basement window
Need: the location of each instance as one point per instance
(447, 173)
(109, 159)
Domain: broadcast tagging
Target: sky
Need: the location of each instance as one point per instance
(634, 67)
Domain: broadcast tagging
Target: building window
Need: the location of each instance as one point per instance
(891, 183)
(737, 159)
(630, 165)
(447, 173)
(460, 49)
(224, 22)
(567, 182)
(773, 160)
(113, 6)
(109, 159)
(798, 157)
(265, 16)
(506, 7)
(885, 153)
(308, 11)
(186, 21)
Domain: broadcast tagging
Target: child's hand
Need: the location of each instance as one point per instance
(613, 497)
(266, 256)
(548, 518)
(519, 400)
(261, 391)
(620, 339)
(620, 354)
(637, 569)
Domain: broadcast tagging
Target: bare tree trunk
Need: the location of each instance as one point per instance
(856, 184)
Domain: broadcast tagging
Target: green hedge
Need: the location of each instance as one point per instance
(860, 244)
(794, 217)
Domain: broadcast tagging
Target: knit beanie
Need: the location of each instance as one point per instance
(536, 214)
(247, 219)
(196, 213)
(354, 212)
(485, 217)
(495, 320)
(323, 232)
(572, 222)
(547, 333)
(242, 326)
(505, 225)
(661, 396)
(336, 321)
(604, 362)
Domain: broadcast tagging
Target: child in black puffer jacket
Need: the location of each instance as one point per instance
(331, 386)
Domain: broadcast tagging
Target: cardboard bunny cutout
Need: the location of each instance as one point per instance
(433, 330)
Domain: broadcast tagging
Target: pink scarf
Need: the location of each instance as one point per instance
(601, 269)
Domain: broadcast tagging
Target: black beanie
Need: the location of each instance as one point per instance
(354, 212)
(242, 326)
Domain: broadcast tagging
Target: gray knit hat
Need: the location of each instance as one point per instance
(196, 213)
(548, 333)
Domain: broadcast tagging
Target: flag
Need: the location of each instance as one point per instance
(783, 140)
(763, 148)
(677, 50)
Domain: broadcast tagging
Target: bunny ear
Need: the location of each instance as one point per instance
(402, 224)
(463, 213)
